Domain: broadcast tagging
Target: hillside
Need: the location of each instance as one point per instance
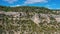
(24, 9)
(29, 9)
(29, 20)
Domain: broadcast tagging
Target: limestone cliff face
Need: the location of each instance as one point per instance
(36, 19)
(40, 18)
(28, 23)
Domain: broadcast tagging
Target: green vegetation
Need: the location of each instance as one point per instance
(29, 9)
(26, 9)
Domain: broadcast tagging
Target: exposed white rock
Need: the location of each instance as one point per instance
(46, 17)
(36, 19)
(57, 17)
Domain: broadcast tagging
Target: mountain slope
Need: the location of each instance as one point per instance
(29, 20)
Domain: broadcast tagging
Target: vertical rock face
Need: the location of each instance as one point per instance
(56, 17)
(36, 19)
(45, 17)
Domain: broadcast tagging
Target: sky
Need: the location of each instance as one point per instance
(51, 4)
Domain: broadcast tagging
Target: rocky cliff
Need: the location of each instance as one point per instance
(27, 23)
(29, 20)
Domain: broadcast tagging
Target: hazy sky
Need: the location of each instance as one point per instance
(52, 4)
